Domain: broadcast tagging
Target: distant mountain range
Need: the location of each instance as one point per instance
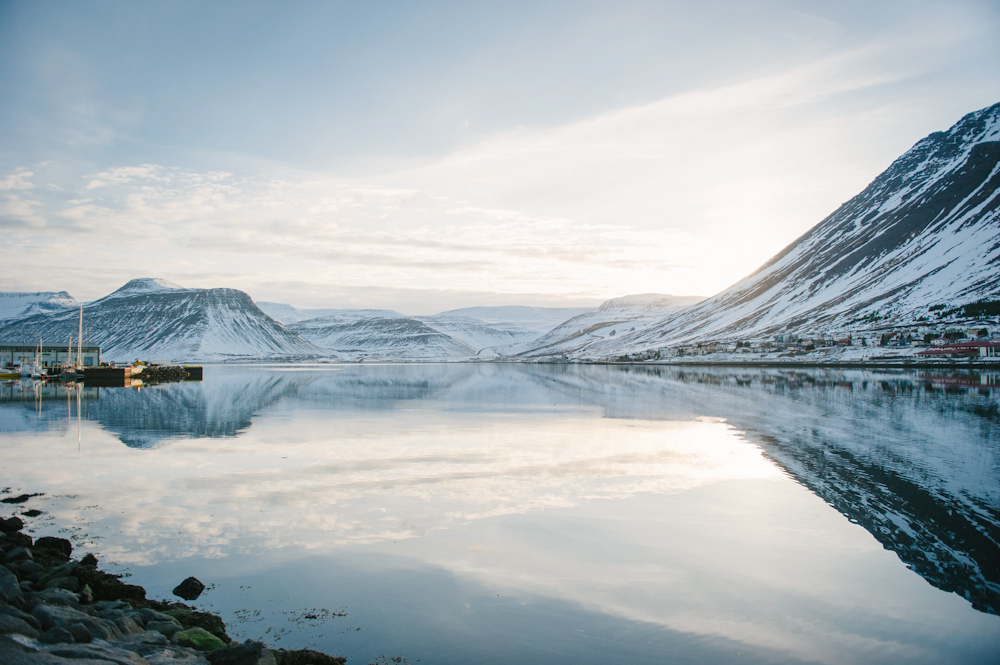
(155, 319)
(924, 234)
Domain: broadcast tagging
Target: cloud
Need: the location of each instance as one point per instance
(388, 240)
(17, 180)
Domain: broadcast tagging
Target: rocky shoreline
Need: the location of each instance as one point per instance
(55, 609)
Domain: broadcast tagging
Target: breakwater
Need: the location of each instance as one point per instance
(57, 609)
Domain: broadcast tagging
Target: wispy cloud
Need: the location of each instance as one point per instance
(17, 180)
(152, 219)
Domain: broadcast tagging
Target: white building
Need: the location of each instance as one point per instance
(13, 355)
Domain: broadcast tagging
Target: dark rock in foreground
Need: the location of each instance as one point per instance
(189, 589)
(58, 611)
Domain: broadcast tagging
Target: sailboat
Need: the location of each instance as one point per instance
(35, 369)
(74, 371)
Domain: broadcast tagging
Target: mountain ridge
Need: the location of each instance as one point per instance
(924, 232)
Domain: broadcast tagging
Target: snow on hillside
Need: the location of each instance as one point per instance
(144, 285)
(286, 314)
(155, 319)
(614, 317)
(496, 331)
(398, 338)
(925, 232)
(19, 305)
(542, 319)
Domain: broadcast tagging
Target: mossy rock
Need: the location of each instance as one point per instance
(210, 622)
(178, 612)
(197, 638)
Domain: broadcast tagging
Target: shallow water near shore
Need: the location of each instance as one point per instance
(541, 513)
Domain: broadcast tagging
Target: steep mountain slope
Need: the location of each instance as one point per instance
(286, 314)
(616, 316)
(925, 232)
(152, 318)
(20, 305)
(381, 338)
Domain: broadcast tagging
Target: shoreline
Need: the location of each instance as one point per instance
(842, 364)
(57, 610)
(895, 363)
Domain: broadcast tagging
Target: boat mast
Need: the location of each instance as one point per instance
(79, 341)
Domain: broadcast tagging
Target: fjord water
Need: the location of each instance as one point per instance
(497, 513)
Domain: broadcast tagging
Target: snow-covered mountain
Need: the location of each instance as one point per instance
(377, 338)
(19, 305)
(154, 318)
(498, 331)
(286, 314)
(477, 332)
(925, 232)
(625, 315)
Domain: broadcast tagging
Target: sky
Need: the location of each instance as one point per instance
(428, 156)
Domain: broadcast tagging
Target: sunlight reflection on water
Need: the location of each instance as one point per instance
(602, 492)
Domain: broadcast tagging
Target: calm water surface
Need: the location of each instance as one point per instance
(541, 513)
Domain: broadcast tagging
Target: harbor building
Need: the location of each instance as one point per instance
(14, 354)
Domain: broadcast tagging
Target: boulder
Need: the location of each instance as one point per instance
(53, 597)
(57, 635)
(168, 628)
(12, 540)
(11, 524)
(105, 586)
(99, 651)
(89, 560)
(34, 512)
(192, 619)
(10, 591)
(60, 545)
(148, 614)
(18, 554)
(10, 625)
(172, 655)
(6, 610)
(31, 568)
(200, 639)
(148, 637)
(65, 617)
(56, 573)
(189, 589)
(248, 653)
(81, 634)
(128, 626)
(109, 614)
(15, 652)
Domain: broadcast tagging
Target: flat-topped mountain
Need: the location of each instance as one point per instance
(20, 305)
(151, 318)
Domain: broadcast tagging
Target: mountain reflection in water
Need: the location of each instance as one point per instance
(914, 458)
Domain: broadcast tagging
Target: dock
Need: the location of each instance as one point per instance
(119, 377)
